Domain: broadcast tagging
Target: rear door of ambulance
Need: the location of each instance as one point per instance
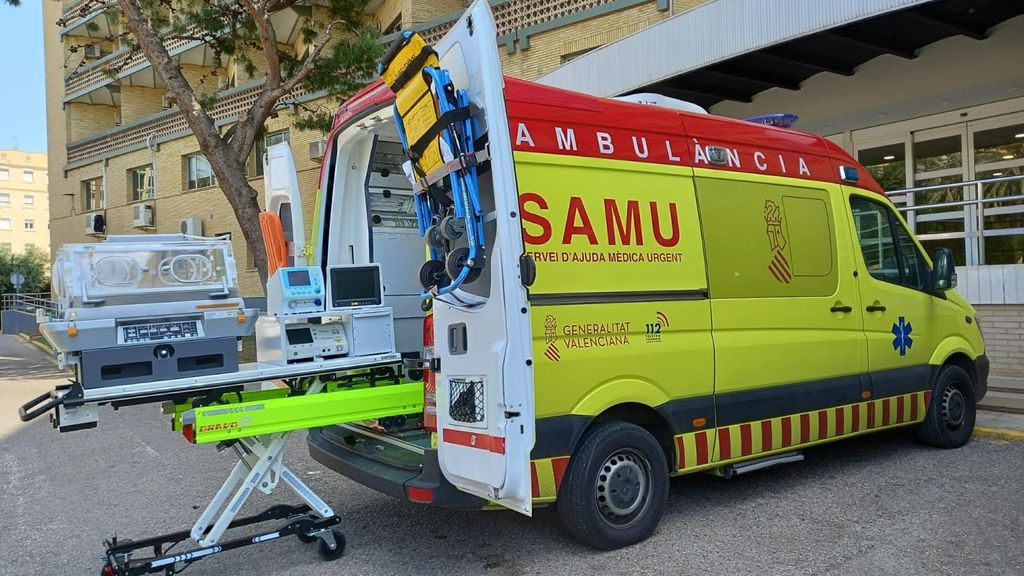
(485, 383)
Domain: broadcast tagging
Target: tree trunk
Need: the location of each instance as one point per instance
(244, 201)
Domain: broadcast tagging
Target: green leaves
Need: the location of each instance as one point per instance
(33, 263)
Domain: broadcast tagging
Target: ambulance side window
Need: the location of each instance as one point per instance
(889, 252)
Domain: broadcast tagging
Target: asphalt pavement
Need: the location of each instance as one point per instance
(879, 504)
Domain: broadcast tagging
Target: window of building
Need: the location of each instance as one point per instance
(30, 201)
(6, 247)
(5, 223)
(140, 183)
(30, 224)
(264, 143)
(198, 173)
(889, 252)
(5, 199)
(5, 174)
(28, 176)
(92, 194)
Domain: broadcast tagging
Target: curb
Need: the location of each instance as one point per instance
(1000, 433)
(46, 351)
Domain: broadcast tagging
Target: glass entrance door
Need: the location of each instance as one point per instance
(947, 168)
(997, 151)
(939, 161)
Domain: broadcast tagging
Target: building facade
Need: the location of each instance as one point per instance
(928, 94)
(24, 202)
(122, 153)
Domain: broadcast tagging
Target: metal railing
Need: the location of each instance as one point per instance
(29, 302)
(972, 211)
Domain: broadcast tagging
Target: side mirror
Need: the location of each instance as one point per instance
(944, 273)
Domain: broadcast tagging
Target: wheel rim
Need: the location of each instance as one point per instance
(954, 407)
(622, 487)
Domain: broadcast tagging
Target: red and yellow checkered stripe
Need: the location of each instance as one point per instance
(546, 476)
(711, 448)
(714, 447)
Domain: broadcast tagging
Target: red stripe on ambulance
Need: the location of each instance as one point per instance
(558, 466)
(495, 444)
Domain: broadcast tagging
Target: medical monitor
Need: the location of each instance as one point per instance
(354, 286)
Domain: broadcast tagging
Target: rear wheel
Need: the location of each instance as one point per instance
(949, 422)
(616, 486)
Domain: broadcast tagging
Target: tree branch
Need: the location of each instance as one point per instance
(169, 72)
(269, 41)
(310, 63)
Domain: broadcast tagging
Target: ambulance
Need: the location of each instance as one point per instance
(651, 291)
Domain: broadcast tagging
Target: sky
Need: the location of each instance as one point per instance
(23, 93)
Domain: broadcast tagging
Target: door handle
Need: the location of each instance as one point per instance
(875, 308)
(846, 309)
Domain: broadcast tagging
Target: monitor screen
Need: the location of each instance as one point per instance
(355, 286)
(298, 277)
(300, 336)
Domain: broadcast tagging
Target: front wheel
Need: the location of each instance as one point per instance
(949, 421)
(616, 487)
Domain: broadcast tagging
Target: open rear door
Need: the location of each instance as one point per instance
(482, 332)
(281, 188)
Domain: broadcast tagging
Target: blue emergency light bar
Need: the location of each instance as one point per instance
(779, 120)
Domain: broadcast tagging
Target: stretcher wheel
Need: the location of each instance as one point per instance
(452, 227)
(456, 260)
(435, 238)
(324, 550)
(432, 274)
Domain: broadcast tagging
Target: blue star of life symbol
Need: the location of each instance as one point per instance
(902, 331)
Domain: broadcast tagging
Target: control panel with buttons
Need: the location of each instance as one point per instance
(296, 290)
(159, 331)
(309, 341)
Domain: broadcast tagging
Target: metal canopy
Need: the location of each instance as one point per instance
(747, 58)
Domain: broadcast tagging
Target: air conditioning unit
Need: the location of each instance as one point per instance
(192, 226)
(95, 224)
(117, 118)
(317, 149)
(91, 50)
(165, 102)
(142, 216)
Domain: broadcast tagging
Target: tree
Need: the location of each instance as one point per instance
(33, 263)
(340, 52)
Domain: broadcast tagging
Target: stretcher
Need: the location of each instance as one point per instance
(435, 122)
(255, 424)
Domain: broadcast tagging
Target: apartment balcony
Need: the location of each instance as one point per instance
(77, 18)
(99, 81)
(164, 126)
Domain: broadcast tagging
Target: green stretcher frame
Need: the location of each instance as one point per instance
(264, 412)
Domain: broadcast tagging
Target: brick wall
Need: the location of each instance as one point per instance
(87, 119)
(548, 48)
(139, 101)
(427, 11)
(1003, 327)
(174, 203)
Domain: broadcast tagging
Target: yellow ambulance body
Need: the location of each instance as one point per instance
(701, 293)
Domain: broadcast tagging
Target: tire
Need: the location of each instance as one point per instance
(949, 421)
(620, 459)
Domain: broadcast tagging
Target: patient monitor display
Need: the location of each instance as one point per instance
(354, 286)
